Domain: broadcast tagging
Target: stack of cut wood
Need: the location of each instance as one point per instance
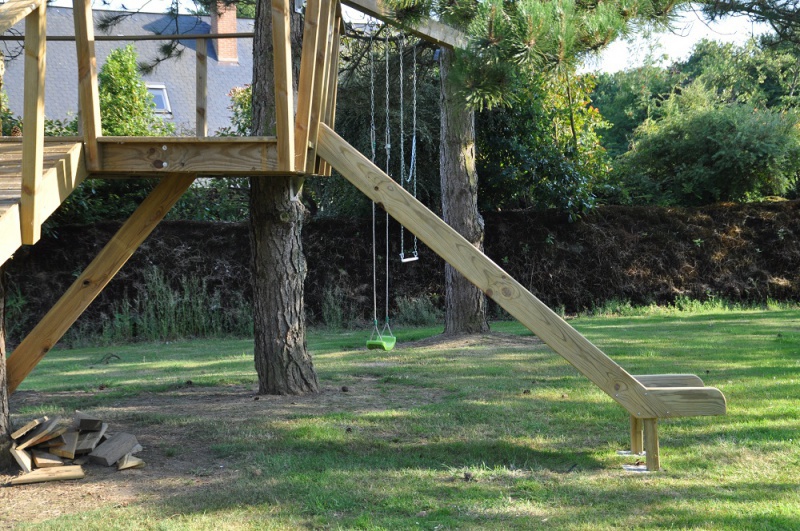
(52, 449)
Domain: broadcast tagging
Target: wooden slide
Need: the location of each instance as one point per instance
(645, 397)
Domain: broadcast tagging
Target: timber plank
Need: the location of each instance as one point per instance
(426, 28)
(28, 427)
(88, 441)
(33, 115)
(67, 450)
(22, 458)
(284, 93)
(115, 449)
(496, 283)
(12, 11)
(320, 84)
(49, 474)
(84, 422)
(669, 380)
(45, 460)
(94, 278)
(129, 461)
(201, 88)
(88, 91)
(41, 433)
(305, 82)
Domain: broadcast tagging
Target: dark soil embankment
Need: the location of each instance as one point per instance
(746, 253)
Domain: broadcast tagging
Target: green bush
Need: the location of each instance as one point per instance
(417, 311)
(703, 152)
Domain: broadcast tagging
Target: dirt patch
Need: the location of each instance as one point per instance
(495, 339)
(178, 453)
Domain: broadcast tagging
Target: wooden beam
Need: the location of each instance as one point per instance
(669, 380)
(305, 83)
(284, 92)
(318, 95)
(154, 157)
(332, 88)
(637, 441)
(10, 234)
(149, 37)
(493, 281)
(201, 88)
(59, 181)
(12, 11)
(94, 278)
(688, 401)
(88, 92)
(425, 28)
(653, 458)
(33, 117)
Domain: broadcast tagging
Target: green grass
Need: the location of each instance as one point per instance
(539, 439)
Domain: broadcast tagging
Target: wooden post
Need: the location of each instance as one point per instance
(323, 61)
(33, 118)
(201, 88)
(305, 83)
(332, 90)
(95, 277)
(651, 444)
(637, 444)
(284, 93)
(88, 95)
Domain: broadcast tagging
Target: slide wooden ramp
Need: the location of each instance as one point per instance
(63, 170)
(645, 397)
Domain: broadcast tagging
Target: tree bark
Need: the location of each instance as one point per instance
(6, 461)
(465, 305)
(276, 223)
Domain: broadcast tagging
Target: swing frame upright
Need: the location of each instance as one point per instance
(40, 174)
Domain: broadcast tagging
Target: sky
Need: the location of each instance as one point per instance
(674, 45)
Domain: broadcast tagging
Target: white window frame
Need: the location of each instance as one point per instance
(163, 88)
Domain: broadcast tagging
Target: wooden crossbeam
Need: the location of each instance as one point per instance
(155, 157)
(305, 82)
(33, 117)
(425, 28)
(88, 92)
(510, 294)
(284, 93)
(12, 11)
(95, 277)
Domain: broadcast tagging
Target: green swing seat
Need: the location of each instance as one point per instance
(381, 343)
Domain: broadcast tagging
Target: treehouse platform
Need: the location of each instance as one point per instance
(38, 174)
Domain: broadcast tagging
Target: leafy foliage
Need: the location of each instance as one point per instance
(703, 151)
(545, 153)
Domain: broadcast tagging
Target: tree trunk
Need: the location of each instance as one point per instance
(6, 460)
(279, 267)
(465, 305)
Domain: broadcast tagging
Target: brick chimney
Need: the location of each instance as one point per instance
(223, 20)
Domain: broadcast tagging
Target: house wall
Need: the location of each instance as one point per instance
(61, 81)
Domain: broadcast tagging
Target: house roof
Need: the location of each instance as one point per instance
(178, 75)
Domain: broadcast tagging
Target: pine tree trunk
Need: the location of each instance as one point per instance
(6, 460)
(279, 267)
(465, 305)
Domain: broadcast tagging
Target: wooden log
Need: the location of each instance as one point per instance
(67, 450)
(22, 458)
(284, 93)
(45, 460)
(33, 116)
(305, 82)
(50, 474)
(653, 459)
(87, 442)
(115, 449)
(201, 88)
(12, 11)
(28, 427)
(88, 92)
(129, 461)
(94, 278)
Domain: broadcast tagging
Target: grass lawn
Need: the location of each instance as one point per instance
(491, 433)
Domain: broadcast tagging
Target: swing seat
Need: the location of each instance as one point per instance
(382, 343)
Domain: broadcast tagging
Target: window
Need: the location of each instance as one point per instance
(159, 92)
